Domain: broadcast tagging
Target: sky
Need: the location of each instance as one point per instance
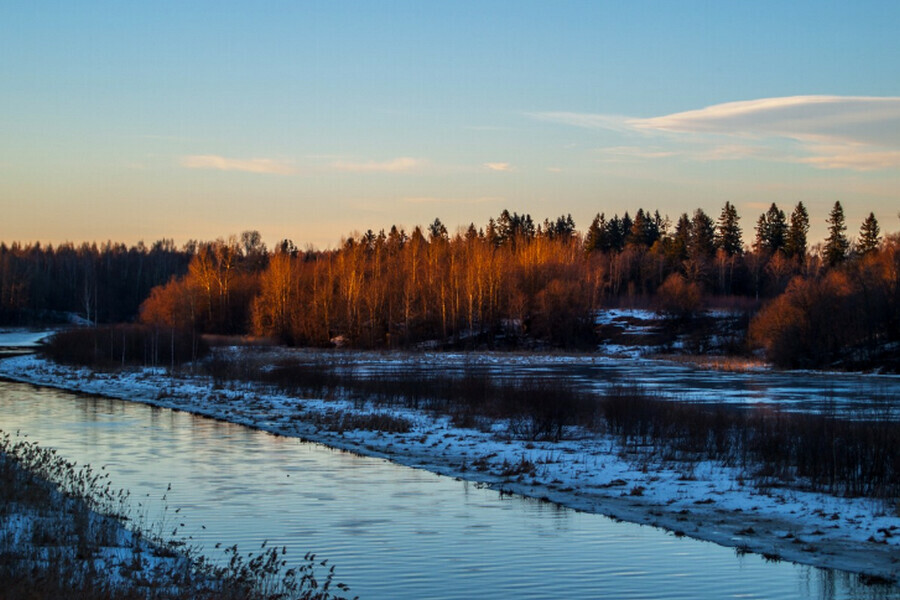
(311, 120)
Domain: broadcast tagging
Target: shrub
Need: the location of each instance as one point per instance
(679, 297)
(121, 345)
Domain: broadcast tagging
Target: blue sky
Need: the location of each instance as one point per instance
(309, 120)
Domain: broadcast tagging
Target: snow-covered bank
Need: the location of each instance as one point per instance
(54, 543)
(65, 532)
(592, 474)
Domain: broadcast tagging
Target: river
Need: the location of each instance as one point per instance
(853, 395)
(392, 531)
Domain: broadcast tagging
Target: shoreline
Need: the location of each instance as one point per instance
(66, 539)
(708, 503)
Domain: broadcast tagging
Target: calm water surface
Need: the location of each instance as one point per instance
(847, 394)
(393, 532)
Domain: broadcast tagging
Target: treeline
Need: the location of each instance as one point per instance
(511, 282)
(514, 281)
(105, 283)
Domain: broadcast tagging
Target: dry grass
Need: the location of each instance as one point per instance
(728, 364)
(341, 420)
(819, 452)
(58, 523)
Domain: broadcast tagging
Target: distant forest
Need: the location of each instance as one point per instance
(511, 282)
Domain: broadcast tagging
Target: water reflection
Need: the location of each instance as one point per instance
(842, 393)
(393, 532)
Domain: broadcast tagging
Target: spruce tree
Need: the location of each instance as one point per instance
(771, 229)
(869, 237)
(728, 232)
(795, 242)
(626, 225)
(836, 245)
(638, 229)
(593, 239)
(682, 238)
(644, 228)
(759, 244)
(702, 241)
(614, 233)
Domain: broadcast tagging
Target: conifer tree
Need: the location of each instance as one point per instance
(437, 231)
(614, 233)
(728, 232)
(702, 241)
(682, 238)
(869, 237)
(836, 245)
(595, 236)
(637, 234)
(771, 229)
(626, 223)
(795, 242)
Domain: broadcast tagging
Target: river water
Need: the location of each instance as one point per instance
(392, 531)
(853, 395)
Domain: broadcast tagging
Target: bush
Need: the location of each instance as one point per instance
(679, 297)
(121, 345)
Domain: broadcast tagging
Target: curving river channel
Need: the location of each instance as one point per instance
(392, 531)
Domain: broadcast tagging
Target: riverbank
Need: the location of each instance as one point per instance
(63, 534)
(593, 473)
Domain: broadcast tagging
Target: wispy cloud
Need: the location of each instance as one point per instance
(816, 118)
(733, 152)
(586, 120)
(248, 165)
(833, 132)
(396, 165)
(852, 157)
(619, 153)
(498, 166)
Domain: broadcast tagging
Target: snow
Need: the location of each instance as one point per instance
(23, 338)
(124, 556)
(592, 472)
(619, 316)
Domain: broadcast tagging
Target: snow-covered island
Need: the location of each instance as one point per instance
(591, 472)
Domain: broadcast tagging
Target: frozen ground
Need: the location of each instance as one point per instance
(593, 473)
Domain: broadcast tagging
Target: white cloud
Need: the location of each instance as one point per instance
(498, 166)
(251, 165)
(853, 157)
(831, 132)
(396, 165)
(807, 118)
